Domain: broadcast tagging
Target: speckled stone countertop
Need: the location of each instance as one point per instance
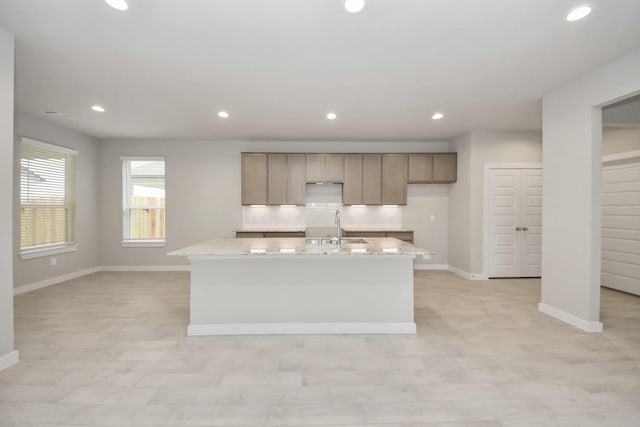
(376, 229)
(298, 246)
(270, 230)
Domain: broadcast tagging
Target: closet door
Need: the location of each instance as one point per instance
(621, 227)
(515, 222)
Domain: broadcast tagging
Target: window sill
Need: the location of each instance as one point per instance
(48, 251)
(144, 243)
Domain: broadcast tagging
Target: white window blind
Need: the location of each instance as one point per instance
(47, 195)
(143, 199)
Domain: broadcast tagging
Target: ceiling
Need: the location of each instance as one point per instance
(164, 68)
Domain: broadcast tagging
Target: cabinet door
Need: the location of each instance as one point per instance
(445, 167)
(296, 182)
(352, 188)
(315, 168)
(371, 179)
(334, 167)
(394, 179)
(254, 178)
(420, 168)
(277, 179)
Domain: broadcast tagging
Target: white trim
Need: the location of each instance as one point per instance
(53, 280)
(627, 155)
(146, 243)
(301, 328)
(9, 359)
(48, 146)
(485, 206)
(145, 268)
(467, 275)
(48, 250)
(430, 267)
(585, 325)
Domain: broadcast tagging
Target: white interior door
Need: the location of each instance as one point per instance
(621, 227)
(515, 222)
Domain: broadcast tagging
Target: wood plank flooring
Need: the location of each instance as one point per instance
(110, 349)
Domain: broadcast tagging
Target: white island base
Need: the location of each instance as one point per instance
(311, 294)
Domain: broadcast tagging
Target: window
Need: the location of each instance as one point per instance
(143, 201)
(47, 199)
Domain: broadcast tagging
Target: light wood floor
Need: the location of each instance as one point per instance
(110, 350)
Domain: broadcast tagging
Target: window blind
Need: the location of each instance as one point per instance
(47, 194)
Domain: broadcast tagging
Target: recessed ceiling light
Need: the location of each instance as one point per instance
(578, 13)
(118, 4)
(437, 116)
(354, 6)
(98, 108)
(331, 116)
(223, 114)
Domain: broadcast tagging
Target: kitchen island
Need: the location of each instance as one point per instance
(301, 286)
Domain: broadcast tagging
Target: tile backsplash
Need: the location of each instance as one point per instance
(319, 212)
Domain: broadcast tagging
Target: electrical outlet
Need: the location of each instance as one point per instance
(54, 261)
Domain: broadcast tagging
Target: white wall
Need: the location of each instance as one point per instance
(7, 46)
(32, 271)
(572, 156)
(459, 203)
(620, 140)
(203, 193)
(466, 204)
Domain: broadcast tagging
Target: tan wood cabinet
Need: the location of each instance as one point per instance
(254, 178)
(362, 179)
(371, 179)
(352, 187)
(325, 168)
(432, 168)
(394, 179)
(405, 235)
(286, 179)
(445, 167)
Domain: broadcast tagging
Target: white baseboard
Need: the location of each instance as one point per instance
(430, 267)
(53, 280)
(301, 328)
(9, 359)
(145, 268)
(467, 275)
(585, 325)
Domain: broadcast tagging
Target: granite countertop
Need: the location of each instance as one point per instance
(386, 246)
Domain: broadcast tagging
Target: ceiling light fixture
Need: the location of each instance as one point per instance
(354, 6)
(223, 114)
(98, 108)
(331, 116)
(578, 13)
(118, 4)
(437, 116)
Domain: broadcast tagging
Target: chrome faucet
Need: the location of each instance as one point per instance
(339, 233)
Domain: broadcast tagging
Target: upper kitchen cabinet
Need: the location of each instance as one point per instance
(362, 179)
(286, 179)
(432, 168)
(445, 167)
(420, 168)
(254, 178)
(352, 188)
(325, 168)
(394, 179)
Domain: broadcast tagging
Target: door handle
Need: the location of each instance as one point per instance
(518, 228)
(525, 228)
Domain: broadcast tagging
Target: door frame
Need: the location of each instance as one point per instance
(485, 206)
